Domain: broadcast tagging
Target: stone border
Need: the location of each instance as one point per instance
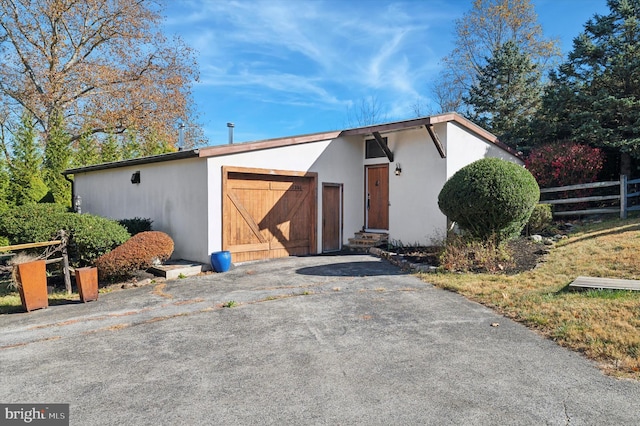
(399, 260)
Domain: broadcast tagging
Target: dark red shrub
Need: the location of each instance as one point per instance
(566, 163)
(139, 252)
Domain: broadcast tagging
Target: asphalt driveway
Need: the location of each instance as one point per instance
(313, 340)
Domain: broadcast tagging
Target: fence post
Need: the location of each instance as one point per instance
(623, 196)
(65, 261)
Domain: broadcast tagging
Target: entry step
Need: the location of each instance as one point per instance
(365, 240)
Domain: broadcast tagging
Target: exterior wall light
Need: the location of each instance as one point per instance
(398, 169)
(135, 178)
(77, 204)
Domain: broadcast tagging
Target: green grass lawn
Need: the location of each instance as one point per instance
(602, 324)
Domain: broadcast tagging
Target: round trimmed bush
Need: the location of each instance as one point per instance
(490, 198)
(139, 252)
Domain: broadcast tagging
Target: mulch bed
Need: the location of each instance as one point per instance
(526, 255)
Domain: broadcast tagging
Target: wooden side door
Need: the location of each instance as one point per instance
(377, 197)
(331, 217)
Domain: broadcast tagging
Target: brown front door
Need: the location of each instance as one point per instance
(331, 217)
(377, 197)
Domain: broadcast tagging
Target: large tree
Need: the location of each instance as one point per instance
(481, 32)
(506, 95)
(100, 65)
(595, 95)
(26, 184)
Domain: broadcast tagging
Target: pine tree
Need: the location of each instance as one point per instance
(86, 153)
(479, 33)
(130, 146)
(154, 145)
(507, 94)
(4, 184)
(25, 178)
(109, 150)
(595, 96)
(57, 157)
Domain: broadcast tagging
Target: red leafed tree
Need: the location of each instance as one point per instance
(564, 164)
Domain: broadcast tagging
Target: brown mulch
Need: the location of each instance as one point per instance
(526, 254)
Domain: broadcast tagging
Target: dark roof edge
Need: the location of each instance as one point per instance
(193, 153)
(220, 150)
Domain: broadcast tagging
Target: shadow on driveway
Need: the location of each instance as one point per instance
(350, 269)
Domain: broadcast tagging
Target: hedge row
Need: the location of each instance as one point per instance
(89, 236)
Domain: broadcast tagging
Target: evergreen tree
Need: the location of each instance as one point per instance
(507, 94)
(595, 96)
(109, 150)
(130, 146)
(57, 158)
(25, 179)
(154, 145)
(86, 153)
(4, 184)
(479, 33)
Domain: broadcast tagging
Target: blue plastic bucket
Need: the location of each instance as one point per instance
(221, 261)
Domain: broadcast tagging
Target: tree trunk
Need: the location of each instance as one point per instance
(625, 164)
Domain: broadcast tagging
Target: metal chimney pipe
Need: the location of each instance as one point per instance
(230, 126)
(181, 127)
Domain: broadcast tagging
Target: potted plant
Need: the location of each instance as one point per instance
(87, 283)
(30, 276)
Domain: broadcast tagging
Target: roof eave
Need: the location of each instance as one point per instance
(220, 150)
(193, 153)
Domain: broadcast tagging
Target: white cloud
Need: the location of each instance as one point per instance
(317, 54)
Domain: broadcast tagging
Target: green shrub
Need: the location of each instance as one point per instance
(541, 219)
(136, 225)
(92, 236)
(31, 222)
(89, 236)
(490, 198)
(140, 252)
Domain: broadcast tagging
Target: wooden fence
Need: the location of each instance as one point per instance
(623, 197)
(59, 245)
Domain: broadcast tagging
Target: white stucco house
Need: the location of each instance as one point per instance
(294, 195)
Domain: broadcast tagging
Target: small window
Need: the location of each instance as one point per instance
(373, 150)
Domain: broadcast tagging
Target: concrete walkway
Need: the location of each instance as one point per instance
(337, 340)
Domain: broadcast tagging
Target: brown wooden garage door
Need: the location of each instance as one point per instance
(267, 213)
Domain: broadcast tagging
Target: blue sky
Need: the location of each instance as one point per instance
(289, 67)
